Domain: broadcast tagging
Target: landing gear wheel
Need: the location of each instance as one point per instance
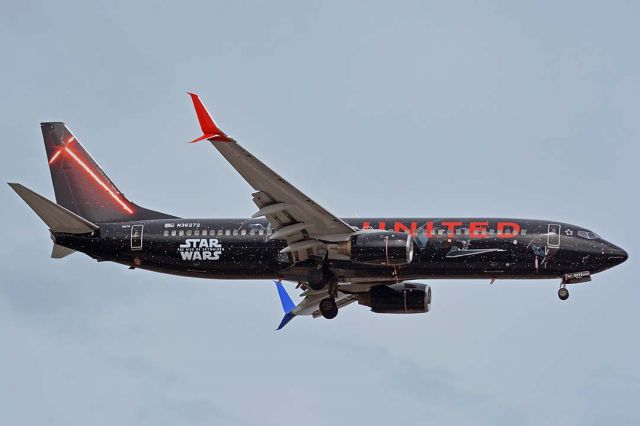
(328, 308)
(316, 279)
(563, 293)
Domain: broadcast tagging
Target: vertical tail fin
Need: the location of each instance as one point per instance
(80, 184)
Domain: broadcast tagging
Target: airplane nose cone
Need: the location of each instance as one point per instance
(617, 255)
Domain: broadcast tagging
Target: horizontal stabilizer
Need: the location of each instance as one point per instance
(56, 217)
(59, 251)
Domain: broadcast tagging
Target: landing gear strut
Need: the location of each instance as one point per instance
(316, 278)
(563, 293)
(328, 308)
(319, 276)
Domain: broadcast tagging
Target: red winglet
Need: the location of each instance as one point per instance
(209, 128)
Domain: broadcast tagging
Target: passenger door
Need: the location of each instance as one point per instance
(553, 236)
(136, 237)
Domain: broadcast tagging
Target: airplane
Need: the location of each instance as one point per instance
(334, 261)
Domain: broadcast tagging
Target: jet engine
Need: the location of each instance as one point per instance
(401, 298)
(379, 248)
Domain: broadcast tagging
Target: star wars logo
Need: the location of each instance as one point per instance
(201, 249)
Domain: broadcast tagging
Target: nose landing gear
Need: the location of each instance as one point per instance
(572, 278)
(563, 293)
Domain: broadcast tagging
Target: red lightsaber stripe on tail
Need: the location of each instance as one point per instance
(56, 155)
(99, 181)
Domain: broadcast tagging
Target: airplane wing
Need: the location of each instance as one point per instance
(296, 218)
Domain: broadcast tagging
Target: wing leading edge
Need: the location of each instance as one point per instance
(298, 219)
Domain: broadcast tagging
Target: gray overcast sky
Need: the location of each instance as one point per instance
(390, 109)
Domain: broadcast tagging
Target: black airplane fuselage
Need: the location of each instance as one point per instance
(290, 237)
(486, 248)
(335, 261)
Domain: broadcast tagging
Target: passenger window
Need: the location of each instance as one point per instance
(165, 233)
(235, 232)
(523, 232)
(181, 232)
(261, 232)
(227, 232)
(204, 232)
(219, 231)
(196, 232)
(189, 232)
(269, 231)
(252, 232)
(243, 232)
(173, 233)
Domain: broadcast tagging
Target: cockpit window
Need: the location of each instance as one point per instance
(588, 235)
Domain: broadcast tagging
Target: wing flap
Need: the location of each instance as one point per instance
(271, 209)
(301, 207)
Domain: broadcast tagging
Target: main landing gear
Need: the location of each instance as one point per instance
(317, 278)
(328, 308)
(321, 275)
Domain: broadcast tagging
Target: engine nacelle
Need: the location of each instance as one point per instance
(402, 298)
(379, 248)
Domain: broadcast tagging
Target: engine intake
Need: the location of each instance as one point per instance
(402, 298)
(379, 248)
